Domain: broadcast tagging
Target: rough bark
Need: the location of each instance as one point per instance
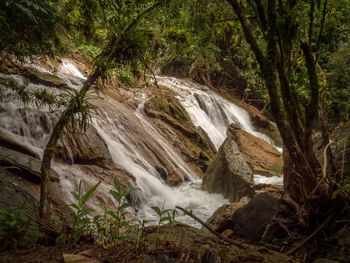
(300, 164)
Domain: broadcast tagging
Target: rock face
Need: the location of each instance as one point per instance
(84, 147)
(229, 174)
(251, 220)
(167, 112)
(262, 158)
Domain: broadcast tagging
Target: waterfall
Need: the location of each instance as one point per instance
(210, 111)
(129, 135)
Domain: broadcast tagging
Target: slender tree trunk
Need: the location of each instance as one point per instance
(300, 164)
(45, 200)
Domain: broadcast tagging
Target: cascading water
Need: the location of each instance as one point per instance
(117, 129)
(214, 114)
(210, 111)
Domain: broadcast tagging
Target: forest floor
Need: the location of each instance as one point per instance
(185, 244)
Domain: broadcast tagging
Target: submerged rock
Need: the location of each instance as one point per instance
(261, 156)
(229, 174)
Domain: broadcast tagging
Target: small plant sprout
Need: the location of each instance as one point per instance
(162, 218)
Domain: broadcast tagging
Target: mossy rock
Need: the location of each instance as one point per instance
(167, 108)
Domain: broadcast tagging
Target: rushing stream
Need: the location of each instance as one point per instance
(206, 109)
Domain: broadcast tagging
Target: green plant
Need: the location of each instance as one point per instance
(90, 50)
(113, 226)
(162, 218)
(82, 223)
(172, 222)
(14, 226)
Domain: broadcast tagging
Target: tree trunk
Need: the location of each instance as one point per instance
(45, 199)
(300, 164)
(44, 206)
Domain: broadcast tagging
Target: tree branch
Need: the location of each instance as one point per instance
(189, 213)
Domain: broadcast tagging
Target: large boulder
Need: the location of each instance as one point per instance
(222, 217)
(261, 156)
(251, 220)
(229, 174)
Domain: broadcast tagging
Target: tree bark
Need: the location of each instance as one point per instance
(300, 164)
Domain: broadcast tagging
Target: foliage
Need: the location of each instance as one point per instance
(90, 50)
(15, 227)
(17, 230)
(81, 222)
(114, 226)
(38, 97)
(339, 83)
(27, 27)
(163, 215)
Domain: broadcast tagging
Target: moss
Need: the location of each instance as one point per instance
(167, 108)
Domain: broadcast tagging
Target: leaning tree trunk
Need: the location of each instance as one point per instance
(44, 206)
(45, 200)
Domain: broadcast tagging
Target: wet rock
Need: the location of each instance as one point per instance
(28, 167)
(229, 174)
(251, 220)
(221, 220)
(162, 172)
(262, 158)
(81, 147)
(8, 142)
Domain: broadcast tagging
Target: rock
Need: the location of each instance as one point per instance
(262, 157)
(162, 172)
(251, 220)
(205, 135)
(29, 167)
(228, 174)
(77, 258)
(174, 122)
(221, 220)
(8, 142)
(81, 147)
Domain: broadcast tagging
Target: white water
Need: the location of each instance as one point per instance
(210, 111)
(206, 109)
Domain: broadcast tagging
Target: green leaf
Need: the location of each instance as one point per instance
(157, 210)
(88, 194)
(103, 206)
(76, 196)
(125, 205)
(128, 191)
(116, 195)
(74, 206)
(163, 219)
(85, 212)
(116, 183)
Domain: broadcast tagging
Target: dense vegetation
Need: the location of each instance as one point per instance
(290, 58)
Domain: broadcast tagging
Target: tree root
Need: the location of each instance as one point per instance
(291, 251)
